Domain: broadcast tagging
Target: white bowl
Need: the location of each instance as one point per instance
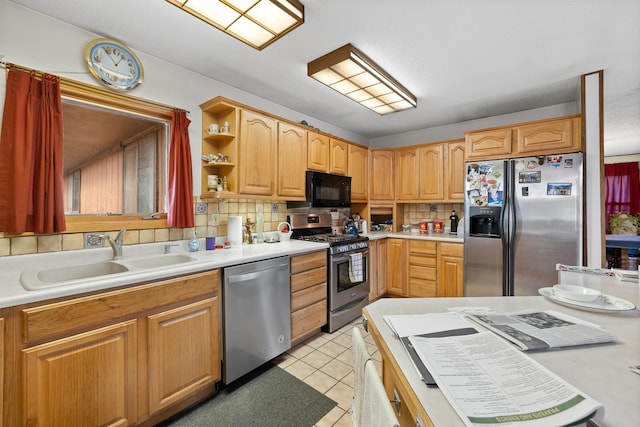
(577, 293)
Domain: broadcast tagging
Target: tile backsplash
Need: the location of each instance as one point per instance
(210, 219)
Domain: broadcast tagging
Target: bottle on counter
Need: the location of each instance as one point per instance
(454, 221)
(194, 243)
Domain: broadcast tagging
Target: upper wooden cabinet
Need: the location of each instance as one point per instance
(553, 136)
(407, 173)
(488, 144)
(318, 152)
(432, 172)
(338, 157)
(381, 175)
(454, 176)
(359, 173)
(256, 159)
(549, 137)
(292, 146)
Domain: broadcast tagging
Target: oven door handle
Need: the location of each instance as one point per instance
(345, 257)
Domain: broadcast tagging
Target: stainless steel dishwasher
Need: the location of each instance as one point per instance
(257, 315)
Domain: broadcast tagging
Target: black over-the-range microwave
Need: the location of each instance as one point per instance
(326, 190)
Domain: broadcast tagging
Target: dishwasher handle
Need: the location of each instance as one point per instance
(242, 277)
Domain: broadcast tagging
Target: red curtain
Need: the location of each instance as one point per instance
(31, 151)
(180, 174)
(622, 188)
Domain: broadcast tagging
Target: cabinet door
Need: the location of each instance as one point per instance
(450, 276)
(431, 172)
(407, 177)
(488, 144)
(257, 154)
(549, 137)
(184, 351)
(292, 146)
(338, 157)
(381, 175)
(397, 266)
(318, 152)
(359, 173)
(87, 379)
(374, 261)
(382, 267)
(455, 173)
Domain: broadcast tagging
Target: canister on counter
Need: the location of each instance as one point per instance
(437, 226)
(423, 227)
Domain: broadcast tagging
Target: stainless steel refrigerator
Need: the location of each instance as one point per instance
(522, 216)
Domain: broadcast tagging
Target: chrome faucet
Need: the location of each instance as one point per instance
(116, 244)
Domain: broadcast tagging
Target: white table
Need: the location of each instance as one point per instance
(601, 371)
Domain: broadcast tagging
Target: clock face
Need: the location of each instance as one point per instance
(113, 64)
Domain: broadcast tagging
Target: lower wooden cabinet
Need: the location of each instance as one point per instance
(450, 269)
(377, 269)
(184, 351)
(403, 409)
(87, 379)
(134, 355)
(422, 266)
(397, 267)
(308, 294)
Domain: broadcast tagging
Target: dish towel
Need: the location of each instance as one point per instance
(376, 408)
(355, 268)
(360, 358)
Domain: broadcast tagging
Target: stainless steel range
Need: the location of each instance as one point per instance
(348, 266)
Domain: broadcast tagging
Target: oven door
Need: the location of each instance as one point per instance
(348, 278)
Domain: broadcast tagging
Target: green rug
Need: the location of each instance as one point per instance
(269, 397)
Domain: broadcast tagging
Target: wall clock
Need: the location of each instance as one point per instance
(113, 64)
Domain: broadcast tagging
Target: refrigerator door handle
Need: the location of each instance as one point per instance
(504, 227)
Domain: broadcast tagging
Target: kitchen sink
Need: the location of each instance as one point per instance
(40, 279)
(33, 280)
(157, 261)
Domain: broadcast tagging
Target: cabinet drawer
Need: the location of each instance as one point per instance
(422, 247)
(427, 261)
(65, 316)
(308, 278)
(422, 288)
(308, 296)
(307, 262)
(420, 272)
(308, 319)
(452, 249)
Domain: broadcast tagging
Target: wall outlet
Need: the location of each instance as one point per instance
(201, 208)
(93, 240)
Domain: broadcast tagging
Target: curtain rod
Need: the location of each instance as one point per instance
(39, 73)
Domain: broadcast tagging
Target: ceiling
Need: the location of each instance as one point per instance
(463, 59)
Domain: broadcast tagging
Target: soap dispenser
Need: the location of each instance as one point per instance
(194, 243)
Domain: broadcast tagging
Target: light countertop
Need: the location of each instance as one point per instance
(602, 371)
(440, 237)
(12, 293)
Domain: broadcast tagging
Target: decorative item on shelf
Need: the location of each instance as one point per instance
(225, 184)
(213, 129)
(225, 128)
(213, 182)
(212, 158)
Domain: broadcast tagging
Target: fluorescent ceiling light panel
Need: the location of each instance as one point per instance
(257, 23)
(352, 73)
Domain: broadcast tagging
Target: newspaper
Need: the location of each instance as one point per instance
(542, 330)
(488, 381)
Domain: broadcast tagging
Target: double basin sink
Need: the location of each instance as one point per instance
(33, 280)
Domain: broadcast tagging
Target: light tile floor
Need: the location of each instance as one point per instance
(325, 362)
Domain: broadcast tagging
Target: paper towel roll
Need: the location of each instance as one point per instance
(234, 230)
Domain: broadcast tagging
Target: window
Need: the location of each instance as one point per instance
(143, 151)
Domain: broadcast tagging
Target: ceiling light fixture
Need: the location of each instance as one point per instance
(354, 75)
(257, 23)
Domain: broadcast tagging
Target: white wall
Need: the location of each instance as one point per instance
(37, 41)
